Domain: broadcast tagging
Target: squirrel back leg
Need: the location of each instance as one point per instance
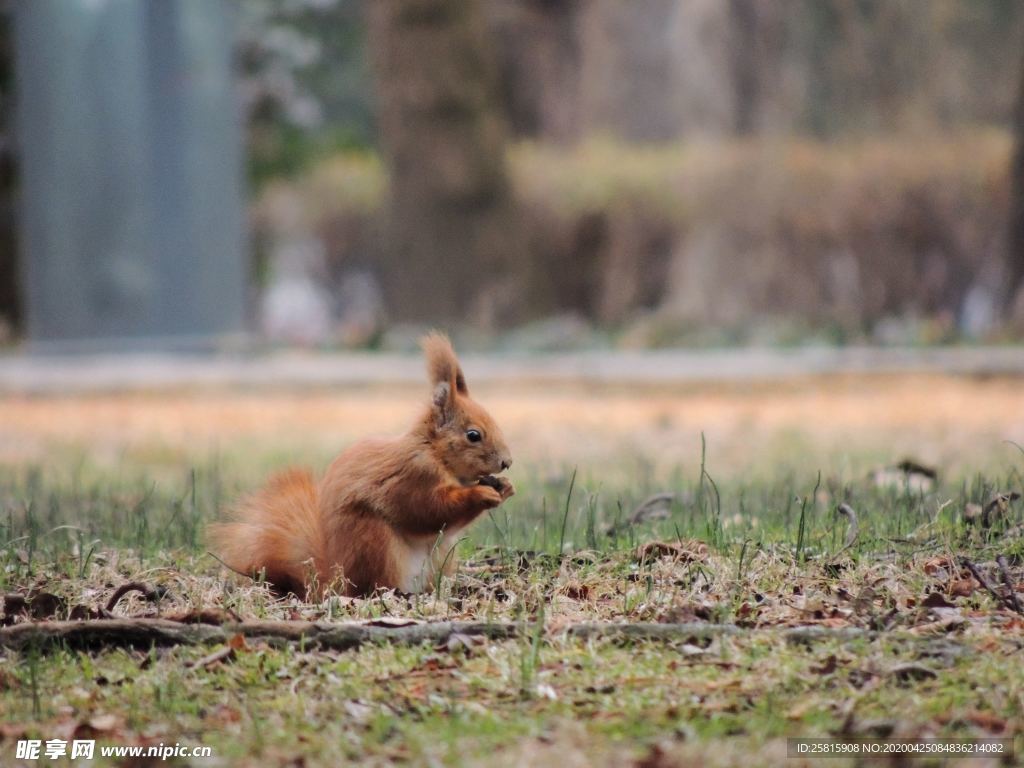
(364, 554)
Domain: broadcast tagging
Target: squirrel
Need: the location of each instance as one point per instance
(388, 512)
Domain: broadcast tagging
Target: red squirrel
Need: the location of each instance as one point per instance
(388, 512)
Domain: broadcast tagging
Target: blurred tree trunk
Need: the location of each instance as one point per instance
(452, 236)
(538, 53)
(10, 298)
(1015, 252)
(630, 71)
(757, 44)
(746, 79)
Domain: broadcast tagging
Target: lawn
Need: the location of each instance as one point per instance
(759, 612)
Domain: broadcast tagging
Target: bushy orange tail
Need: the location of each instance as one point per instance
(275, 532)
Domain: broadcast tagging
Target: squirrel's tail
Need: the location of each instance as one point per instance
(276, 533)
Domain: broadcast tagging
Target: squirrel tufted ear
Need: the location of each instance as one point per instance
(444, 403)
(442, 364)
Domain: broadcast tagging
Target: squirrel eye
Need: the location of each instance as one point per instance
(473, 436)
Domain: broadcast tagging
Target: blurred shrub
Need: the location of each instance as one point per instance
(668, 242)
(304, 82)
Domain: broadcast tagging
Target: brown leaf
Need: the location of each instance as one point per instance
(745, 610)
(910, 672)
(827, 667)
(576, 591)
(46, 605)
(223, 715)
(656, 757)
(948, 620)
(987, 721)
(13, 605)
(8, 680)
(41, 605)
(431, 665)
(935, 565)
(86, 613)
(962, 587)
(936, 600)
(865, 600)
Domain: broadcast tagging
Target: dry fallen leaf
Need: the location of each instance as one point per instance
(936, 600)
(358, 711)
(865, 600)
(962, 587)
(457, 641)
(685, 551)
(909, 672)
(576, 591)
(828, 666)
(939, 565)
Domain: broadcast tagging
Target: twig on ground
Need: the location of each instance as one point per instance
(655, 507)
(221, 654)
(150, 593)
(984, 582)
(852, 528)
(1008, 581)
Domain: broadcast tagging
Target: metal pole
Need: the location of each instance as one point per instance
(132, 196)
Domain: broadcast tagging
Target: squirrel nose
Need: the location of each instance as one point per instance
(506, 463)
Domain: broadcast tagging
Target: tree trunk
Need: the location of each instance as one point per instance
(451, 232)
(10, 298)
(757, 42)
(1015, 250)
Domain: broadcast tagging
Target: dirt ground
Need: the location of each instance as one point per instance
(955, 422)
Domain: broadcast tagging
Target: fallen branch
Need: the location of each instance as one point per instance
(145, 633)
(702, 631)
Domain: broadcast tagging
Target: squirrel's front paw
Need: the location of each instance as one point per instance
(505, 487)
(502, 485)
(488, 496)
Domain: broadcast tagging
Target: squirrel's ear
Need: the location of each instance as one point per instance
(442, 364)
(443, 403)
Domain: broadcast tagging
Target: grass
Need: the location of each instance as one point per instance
(752, 551)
